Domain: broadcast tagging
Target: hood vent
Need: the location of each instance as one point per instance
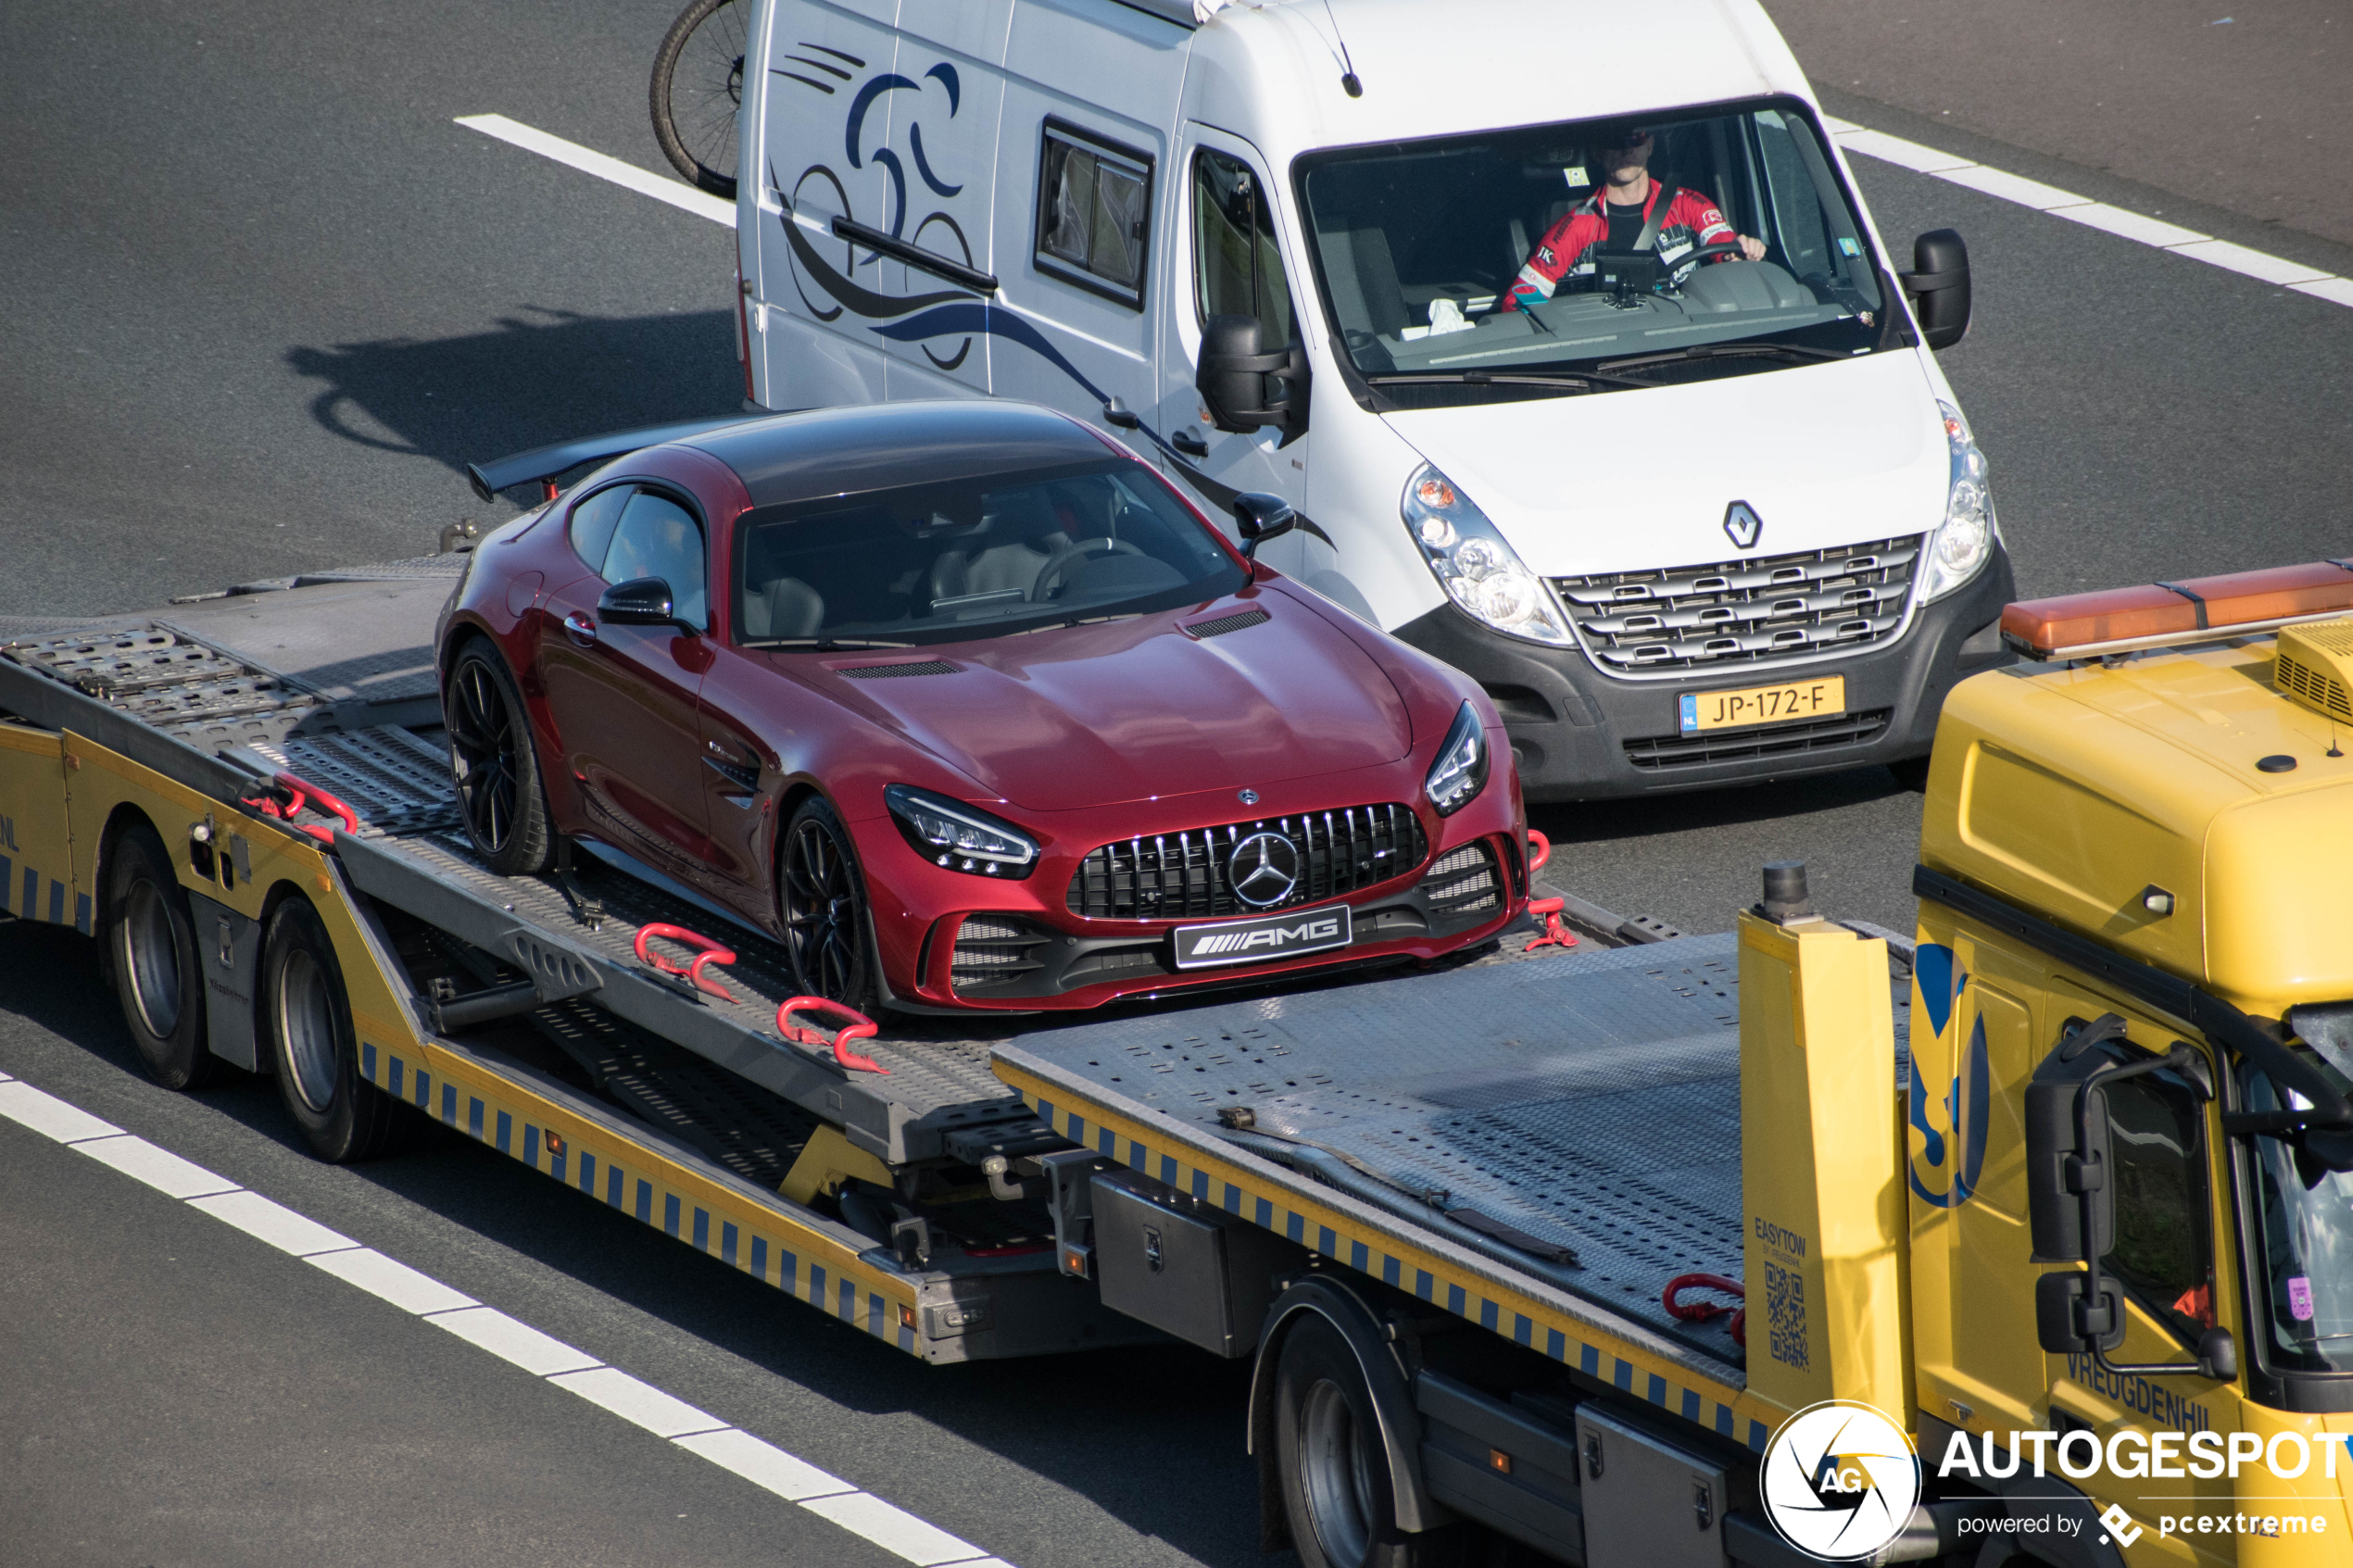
(2315, 667)
(885, 672)
(1241, 620)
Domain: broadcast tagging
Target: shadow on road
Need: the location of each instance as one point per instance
(544, 375)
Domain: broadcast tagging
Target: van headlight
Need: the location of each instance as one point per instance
(1461, 769)
(1965, 539)
(1471, 561)
(951, 834)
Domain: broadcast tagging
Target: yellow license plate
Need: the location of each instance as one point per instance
(1823, 697)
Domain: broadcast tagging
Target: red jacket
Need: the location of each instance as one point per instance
(1691, 220)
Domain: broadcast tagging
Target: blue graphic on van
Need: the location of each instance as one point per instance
(1944, 1171)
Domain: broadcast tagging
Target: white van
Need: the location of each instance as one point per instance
(1696, 507)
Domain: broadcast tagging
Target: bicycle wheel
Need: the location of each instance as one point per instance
(698, 86)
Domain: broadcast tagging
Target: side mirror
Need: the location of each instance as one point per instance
(641, 601)
(2063, 1181)
(2068, 1324)
(1235, 375)
(1262, 517)
(1939, 286)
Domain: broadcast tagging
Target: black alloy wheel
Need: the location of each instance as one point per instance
(823, 900)
(150, 947)
(494, 767)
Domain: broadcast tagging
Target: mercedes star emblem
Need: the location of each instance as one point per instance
(1263, 870)
(1250, 797)
(1743, 524)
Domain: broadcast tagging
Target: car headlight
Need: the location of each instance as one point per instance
(1471, 561)
(951, 834)
(1965, 540)
(1460, 771)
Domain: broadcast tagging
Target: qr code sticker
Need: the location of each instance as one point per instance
(1785, 1315)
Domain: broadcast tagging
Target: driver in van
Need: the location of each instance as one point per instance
(1616, 217)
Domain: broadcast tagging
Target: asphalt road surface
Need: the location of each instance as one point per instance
(259, 297)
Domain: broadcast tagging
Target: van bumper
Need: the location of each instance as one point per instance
(1578, 735)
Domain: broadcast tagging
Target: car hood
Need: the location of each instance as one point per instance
(1089, 716)
(1826, 455)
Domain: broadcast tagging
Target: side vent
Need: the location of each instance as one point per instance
(886, 672)
(2315, 667)
(1241, 620)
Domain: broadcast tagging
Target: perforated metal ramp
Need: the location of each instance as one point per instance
(1591, 1100)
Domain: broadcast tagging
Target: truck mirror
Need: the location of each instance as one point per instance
(2218, 1355)
(2068, 1324)
(641, 601)
(1243, 385)
(2062, 1180)
(1939, 286)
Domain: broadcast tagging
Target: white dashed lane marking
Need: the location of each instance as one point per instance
(511, 1340)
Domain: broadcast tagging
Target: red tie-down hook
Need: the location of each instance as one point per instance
(1539, 852)
(706, 952)
(291, 795)
(1546, 909)
(1704, 1311)
(860, 1027)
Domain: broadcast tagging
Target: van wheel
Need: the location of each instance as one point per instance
(495, 765)
(342, 1115)
(1332, 1466)
(151, 947)
(822, 896)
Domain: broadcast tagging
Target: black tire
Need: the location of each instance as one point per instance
(306, 1019)
(697, 87)
(152, 956)
(1912, 773)
(1332, 1466)
(821, 896)
(493, 765)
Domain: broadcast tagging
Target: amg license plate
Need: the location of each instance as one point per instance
(1286, 936)
(1823, 697)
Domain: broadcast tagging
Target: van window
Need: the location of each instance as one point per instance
(1238, 268)
(1094, 207)
(659, 538)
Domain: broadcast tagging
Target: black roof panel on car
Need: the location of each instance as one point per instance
(846, 451)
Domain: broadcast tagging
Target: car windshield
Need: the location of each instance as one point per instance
(1511, 254)
(2303, 1241)
(948, 562)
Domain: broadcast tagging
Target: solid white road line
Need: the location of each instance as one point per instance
(705, 1435)
(2116, 221)
(662, 188)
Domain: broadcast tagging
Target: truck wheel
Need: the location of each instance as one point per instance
(822, 897)
(1333, 1469)
(495, 765)
(151, 947)
(343, 1116)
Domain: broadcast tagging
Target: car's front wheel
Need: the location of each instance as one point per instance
(494, 767)
(822, 897)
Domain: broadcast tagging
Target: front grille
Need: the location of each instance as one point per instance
(1242, 619)
(886, 672)
(1780, 740)
(1744, 612)
(994, 950)
(1182, 875)
(1463, 887)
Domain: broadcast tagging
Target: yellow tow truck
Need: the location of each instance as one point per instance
(1563, 1255)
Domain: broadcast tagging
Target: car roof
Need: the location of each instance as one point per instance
(845, 451)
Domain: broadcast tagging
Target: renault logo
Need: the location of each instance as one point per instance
(1743, 524)
(1263, 870)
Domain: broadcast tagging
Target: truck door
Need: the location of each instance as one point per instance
(1229, 261)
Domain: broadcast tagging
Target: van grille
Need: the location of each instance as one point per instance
(1182, 875)
(1777, 740)
(1758, 611)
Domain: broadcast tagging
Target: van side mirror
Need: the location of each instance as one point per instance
(641, 601)
(1938, 284)
(1260, 517)
(1243, 385)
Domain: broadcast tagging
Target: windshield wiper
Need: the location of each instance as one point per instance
(1728, 351)
(1579, 381)
(823, 645)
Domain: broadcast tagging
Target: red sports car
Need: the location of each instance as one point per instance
(969, 708)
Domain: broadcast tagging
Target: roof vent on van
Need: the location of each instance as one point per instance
(2315, 667)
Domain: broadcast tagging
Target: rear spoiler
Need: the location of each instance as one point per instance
(542, 464)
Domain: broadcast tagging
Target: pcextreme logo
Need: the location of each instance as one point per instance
(1840, 1480)
(1946, 1168)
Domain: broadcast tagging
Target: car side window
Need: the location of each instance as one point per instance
(656, 537)
(2163, 1252)
(1094, 213)
(593, 521)
(1238, 268)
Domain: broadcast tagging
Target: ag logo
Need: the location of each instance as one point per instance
(1840, 1480)
(1944, 1170)
(1742, 526)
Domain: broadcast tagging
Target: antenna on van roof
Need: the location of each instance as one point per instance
(1348, 83)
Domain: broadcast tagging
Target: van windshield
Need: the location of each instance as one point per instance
(1596, 255)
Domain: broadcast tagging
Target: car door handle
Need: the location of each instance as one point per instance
(583, 630)
(1192, 446)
